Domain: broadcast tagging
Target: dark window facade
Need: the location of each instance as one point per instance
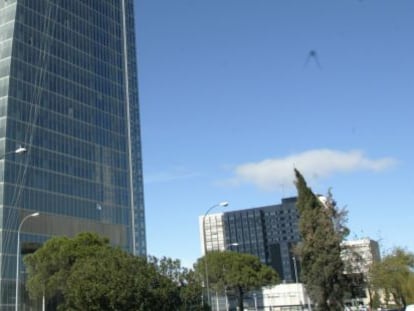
(268, 232)
(68, 94)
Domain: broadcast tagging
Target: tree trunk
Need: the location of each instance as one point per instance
(240, 298)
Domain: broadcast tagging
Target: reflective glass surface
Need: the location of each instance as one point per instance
(68, 93)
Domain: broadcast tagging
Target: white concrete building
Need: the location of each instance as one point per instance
(212, 233)
(291, 296)
(358, 256)
(282, 297)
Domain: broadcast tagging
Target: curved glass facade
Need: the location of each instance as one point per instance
(68, 94)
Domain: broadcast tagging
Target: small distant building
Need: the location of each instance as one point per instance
(358, 256)
(284, 297)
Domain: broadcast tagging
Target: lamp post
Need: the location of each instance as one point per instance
(18, 256)
(299, 291)
(19, 150)
(255, 301)
(223, 204)
(228, 247)
(295, 268)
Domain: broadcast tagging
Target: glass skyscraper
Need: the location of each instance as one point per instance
(68, 94)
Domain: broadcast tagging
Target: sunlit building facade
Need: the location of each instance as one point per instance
(69, 96)
(358, 257)
(212, 237)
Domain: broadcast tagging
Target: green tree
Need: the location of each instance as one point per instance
(86, 273)
(322, 227)
(170, 268)
(108, 281)
(191, 292)
(49, 267)
(237, 273)
(189, 287)
(394, 274)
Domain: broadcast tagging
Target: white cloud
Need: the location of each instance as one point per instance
(272, 174)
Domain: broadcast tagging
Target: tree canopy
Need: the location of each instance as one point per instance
(189, 286)
(322, 227)
(86, 273)
(394, 274)
(234, 272)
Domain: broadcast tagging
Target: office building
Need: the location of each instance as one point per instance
(358, 257)
(212, 237)
(281, 297)
(268, 232)
(68, 95)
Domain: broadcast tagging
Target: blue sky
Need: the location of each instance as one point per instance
(236, 93)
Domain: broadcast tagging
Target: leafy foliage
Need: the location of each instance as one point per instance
(191, 293)
(86, 273)
(170, 268)
(189, 286)
(235, 272)
(322, 227)
(394, 274)
(49, 267)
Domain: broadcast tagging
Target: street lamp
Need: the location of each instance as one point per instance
(19, 150)
(299, 287)
(222, 204)
(228, 247)
(18, 255)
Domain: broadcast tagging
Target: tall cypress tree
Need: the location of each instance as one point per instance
(322, 229)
